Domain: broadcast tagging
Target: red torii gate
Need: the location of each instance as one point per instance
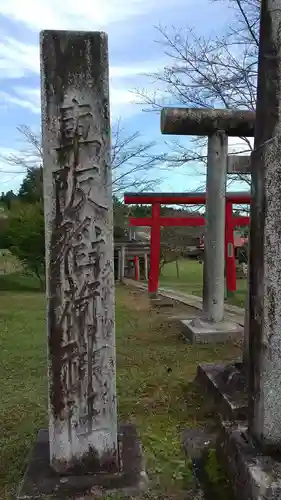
(156, 222)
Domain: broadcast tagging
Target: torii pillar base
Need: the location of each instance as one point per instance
(202, 331)
(40, 480)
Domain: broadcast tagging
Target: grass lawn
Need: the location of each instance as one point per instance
(155, 372)
(191, 280)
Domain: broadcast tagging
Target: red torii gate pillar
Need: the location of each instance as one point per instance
(155, 241)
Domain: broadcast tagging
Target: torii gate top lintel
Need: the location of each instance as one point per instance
(194, 198)
(206, 121)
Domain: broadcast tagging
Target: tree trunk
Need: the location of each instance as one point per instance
(41, 281)
(178, 269)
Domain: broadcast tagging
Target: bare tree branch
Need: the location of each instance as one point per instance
(132, 159)
(245, 16)
(207, 72)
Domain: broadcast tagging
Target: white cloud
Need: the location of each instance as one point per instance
(22, 97)
(58, 14)
(121, 103)
(236, 145)
(17, 59)
(137, 70)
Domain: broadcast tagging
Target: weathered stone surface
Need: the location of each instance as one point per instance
(41, 481)
(265, 234)
(202, 121)
(196, 440)
(254, 476)
(247, 326)
(226, 385)
(214, 242)
(79, 251)
(238, 164)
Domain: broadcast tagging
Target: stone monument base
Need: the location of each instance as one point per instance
(200, 330)
(227, 386)
(254, 476)
(40, 481)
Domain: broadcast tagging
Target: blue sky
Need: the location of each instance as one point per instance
(130, 25)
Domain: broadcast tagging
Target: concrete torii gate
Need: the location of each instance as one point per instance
(217, 124)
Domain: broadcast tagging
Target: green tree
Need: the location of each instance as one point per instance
(7, 199)
(120, 212)
(26, 237)
(4, 225)
(31, 190)
(141, 211)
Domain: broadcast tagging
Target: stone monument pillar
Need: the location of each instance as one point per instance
(79, 249)
(82, 440)
(265, 249)
(251, 453)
